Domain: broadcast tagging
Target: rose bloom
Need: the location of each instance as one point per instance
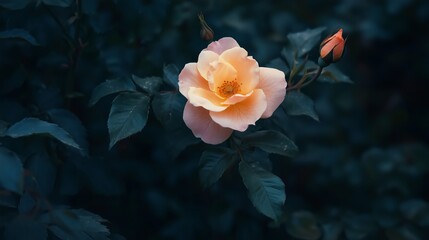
(227, 90)
(332, 48)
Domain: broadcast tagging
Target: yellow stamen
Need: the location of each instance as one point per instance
(228, 88)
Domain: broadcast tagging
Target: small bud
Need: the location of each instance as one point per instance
(206, 32)
(332, 49)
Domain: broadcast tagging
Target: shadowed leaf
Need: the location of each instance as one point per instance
(149, 84)
(272, 142)
(297, 103)
(11, 171)
(171, 75)
(19, 34)
(109, 87)
(266, 190)
(34, 126)
(128, 116)
(304, 41)
(213, 164)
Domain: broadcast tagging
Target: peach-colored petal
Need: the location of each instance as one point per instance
(242, 114)
(338, 51)
(222, 45)
(204, 60)
(327, 48)
(327, 40)
(190, 77)
(200, 97)
(202, 126)
(220, 73)
(236, 98)
(273, 83)
(247, 68)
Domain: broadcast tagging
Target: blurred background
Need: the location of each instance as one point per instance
(362, 171)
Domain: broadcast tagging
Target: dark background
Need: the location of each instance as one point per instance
(366, 156)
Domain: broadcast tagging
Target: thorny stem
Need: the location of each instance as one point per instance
(300, 85)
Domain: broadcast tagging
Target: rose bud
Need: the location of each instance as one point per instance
(206, 32)
(332, 49)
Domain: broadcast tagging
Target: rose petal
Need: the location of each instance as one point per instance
(242, 114)
(190, 77)
(273, 83)
(222, 45)
(247, 68)
(200, 97)
(327, 48)
(236, 98)
(338, 51)
(220, 72)
(202, 126)
(204, 60)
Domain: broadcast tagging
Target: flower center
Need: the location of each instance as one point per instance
(228, 88)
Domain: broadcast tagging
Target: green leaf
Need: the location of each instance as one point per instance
(168, 109)
(171, 75)
(331, 74)
(149, 84)
(297, 103)
(34, 126)
(58, 3)
(272, 142)
(14, 4)
(279, 64)
(19, 34)
(303, 225)
(288, 55)
(11, 171)
(213, 164)
(109, 87)
(76, 224)
(266, 190)
(304, 41)
(72, 124)
(128, 115)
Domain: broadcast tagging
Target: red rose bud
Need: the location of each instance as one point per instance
(206, 32)
(332, 49)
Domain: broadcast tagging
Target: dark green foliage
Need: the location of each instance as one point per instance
(214, 162)
(11, 171)
(110, 87)
(266, 191)
(93, 144)
(304, 42)
(33, 126)
(151, 85)
(272, 142)
(19, 34)
(76, 224)
(128, 116)
(297, 103)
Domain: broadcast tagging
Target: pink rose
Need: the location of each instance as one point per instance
(227, 90)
